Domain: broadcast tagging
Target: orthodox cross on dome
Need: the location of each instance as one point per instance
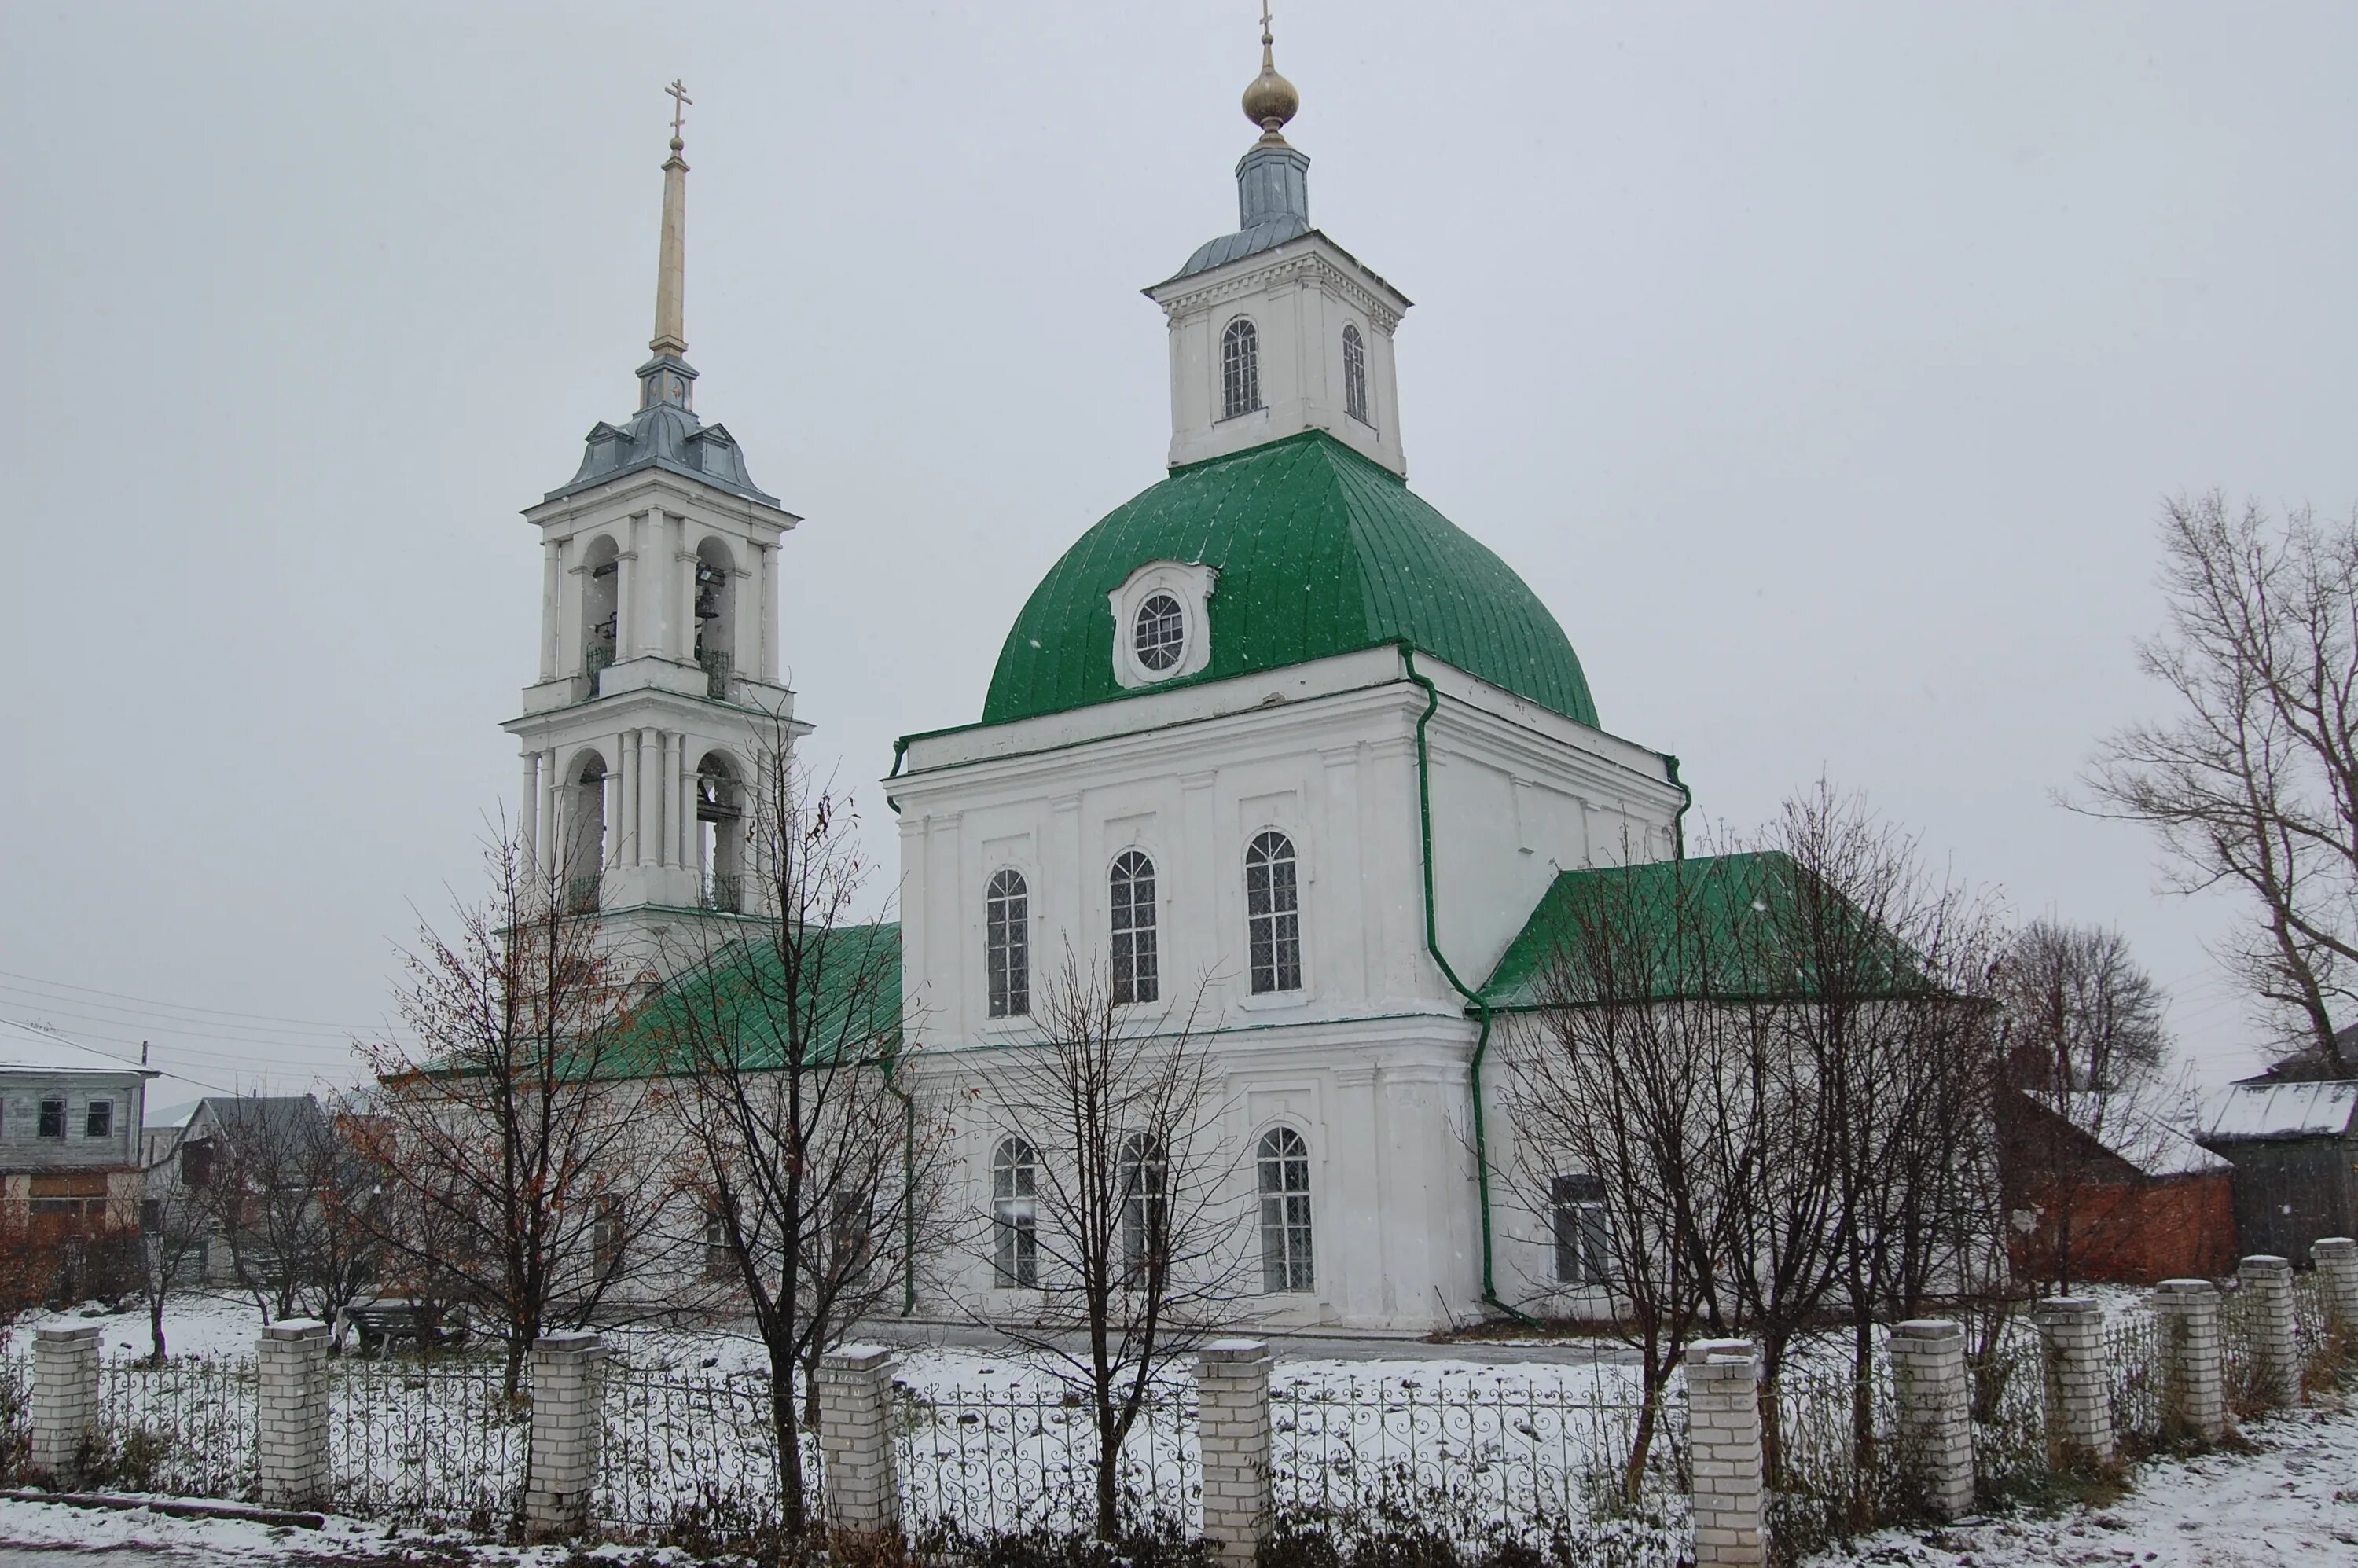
(680, 100)
(1271, 100)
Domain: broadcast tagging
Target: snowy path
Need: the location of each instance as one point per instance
(2295, 1502)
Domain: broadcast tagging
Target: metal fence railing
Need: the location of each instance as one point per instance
(2009, 1403)
(431, 1439)
(692, 1454)
(1834, 1469)
(15, 1413)
(192, 1425)
(977, 1461)
(2133, 1350)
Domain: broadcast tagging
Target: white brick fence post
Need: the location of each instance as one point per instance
(2337, 1269)
(2276, 1347)
(855, 1439)
(293, 1374)
(2079, 1384)
(1232, 1432)
(65, 1399)
(567, 1423)
(1728, 1501)
(1936, 1417)
(2194, 1397)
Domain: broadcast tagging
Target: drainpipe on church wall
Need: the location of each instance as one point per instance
(1482, 1008)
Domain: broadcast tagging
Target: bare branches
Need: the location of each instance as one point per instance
(1115, 1198)
(528, 1177)
(2252, 782)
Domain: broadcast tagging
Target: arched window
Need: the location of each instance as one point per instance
(1273, 914)
(1239, 369)
(601, 618)
(1355, 376)
(1285, 1211)
(716, 633)
(720, 828)
(584, 838)
(1007, 943)
(1144, 1172)
(1160, 635)
(1015, 1243)
(1133, 885)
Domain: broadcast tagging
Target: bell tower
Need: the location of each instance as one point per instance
(658, 695)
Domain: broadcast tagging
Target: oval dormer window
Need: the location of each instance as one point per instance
(1161, 633)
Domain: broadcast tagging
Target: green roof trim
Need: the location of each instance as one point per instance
(1734, 927)
(1319, 552)
(852, 1002)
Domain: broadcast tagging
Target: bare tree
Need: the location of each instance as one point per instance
(1115, 1198)
(1616, 1084)
(176, 1229)
(820, 1158)
(2252, 782)
(2087, 1042)
(290, 1193)
(532, 1160)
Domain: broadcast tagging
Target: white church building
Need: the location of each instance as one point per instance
(1274, 728)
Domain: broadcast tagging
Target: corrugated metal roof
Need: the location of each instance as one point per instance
(1320, 552)
(2321, 1108)
(2139, 1135)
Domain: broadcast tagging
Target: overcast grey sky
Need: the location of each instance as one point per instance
(1820, 366)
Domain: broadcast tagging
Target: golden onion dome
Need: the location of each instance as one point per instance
(1270, 100)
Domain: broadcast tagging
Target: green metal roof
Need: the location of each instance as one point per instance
(1728, 927)
(1319, 552)
(849, 991)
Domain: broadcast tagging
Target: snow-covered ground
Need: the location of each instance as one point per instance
(2293, 1502)
(59, 1527)
(194, 1324)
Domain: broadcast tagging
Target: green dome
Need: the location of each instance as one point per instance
(1319, 552)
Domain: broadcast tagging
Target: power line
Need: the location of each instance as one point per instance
(157, 1002)
(29, 995)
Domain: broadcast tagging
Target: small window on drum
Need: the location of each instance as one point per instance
(1159, 635)
(1355, 376)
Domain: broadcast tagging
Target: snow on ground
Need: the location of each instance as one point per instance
(58, 1526)
(194, 1324)
(2293, 1502)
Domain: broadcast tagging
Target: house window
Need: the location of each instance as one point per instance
(720, 1258)
(1007, 944)
(1239, 369)
(1015, 1240)
(97, 1119)
(53, 1118)
(1355, 376)
(1160, 635)
(606, 1232)
(1132, 883)
(1581, 1256)
(1285, 1211)
(1273, 914)
(1145, 1216)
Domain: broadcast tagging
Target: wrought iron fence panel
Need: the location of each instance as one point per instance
(980, 1461)
(2239, 1347)
(693, 1452)
(1481, 1459)
(15, 1413)
(2008, 1389)
(191, 1427)
(2137, 1376)
(2312, 1328)
(1829, 1478)
(431, 1440)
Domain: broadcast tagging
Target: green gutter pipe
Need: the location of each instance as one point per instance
(1482, 1008)
(900, 755)
(1678, 823)
(908, 1184)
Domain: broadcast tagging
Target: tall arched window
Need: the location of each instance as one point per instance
(721, 829)
(1132, 885)
(1015, 1241)
(1239, 369)
(716, 632)
(1273, 914)
(1285, 1211)
(601, 619)
(1355, 376)
(1007, 943)
(1143, 1171)
(584, 838)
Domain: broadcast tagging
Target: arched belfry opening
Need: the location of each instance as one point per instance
(602, 614)
(716, 620)
(585, 832)
(721, 827)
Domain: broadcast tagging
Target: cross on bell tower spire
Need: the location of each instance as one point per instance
(666, 378)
